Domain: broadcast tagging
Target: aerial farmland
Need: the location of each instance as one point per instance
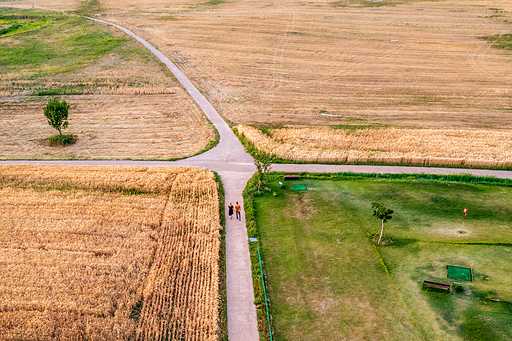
(131, 132)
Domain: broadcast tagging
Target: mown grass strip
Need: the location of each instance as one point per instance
(252, 232)
(223, 308)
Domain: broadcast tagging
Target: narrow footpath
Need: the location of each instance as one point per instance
(235, 167)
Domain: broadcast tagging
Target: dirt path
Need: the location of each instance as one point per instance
(235, 167)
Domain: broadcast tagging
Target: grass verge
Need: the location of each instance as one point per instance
(223, 313)
(252, 232)
(67, 90)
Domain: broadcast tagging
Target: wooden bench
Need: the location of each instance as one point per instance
(441, 286)
(291, 176)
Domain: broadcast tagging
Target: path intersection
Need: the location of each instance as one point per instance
(235, 167)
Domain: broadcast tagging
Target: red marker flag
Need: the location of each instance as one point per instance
(465, 212)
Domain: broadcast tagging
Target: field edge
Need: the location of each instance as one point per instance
(251, 148)
(223, 308)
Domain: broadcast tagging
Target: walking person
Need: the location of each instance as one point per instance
(230, 211)
(238, 209)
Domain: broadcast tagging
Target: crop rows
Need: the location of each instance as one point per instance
(108, 253)
(143, 179)
(448, 147)
(185, 271)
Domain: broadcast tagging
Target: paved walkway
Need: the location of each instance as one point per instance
(235, 167)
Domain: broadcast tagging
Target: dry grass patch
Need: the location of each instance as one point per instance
(107, 127)
(390, 145)
(108, 253)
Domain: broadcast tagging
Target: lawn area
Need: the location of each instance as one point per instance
(327, 281)
(45, 43)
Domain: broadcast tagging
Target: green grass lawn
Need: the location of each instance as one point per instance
(327, 281)
(42, 43)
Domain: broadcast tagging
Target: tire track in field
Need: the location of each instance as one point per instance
(281, 48)
(477, 62)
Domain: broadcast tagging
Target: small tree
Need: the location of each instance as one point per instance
(56, 113)
(384, 214)
(263, 165)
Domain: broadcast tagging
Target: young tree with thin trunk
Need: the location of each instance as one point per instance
(263, 165)
(384, 214)
(56, 113)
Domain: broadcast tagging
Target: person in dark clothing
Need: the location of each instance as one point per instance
(230, 211)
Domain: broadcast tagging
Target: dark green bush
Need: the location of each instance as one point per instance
(457, 287)
(61, 140)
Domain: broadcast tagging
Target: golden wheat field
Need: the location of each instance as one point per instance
(109, 253)
(488, 148)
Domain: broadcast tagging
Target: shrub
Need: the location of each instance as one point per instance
(457, 287)
(61, 140)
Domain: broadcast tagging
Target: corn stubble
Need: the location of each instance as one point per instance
(108, 253)
(448, 147)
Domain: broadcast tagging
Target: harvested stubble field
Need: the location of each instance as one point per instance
(107, 127)
(124, 103)
(408, 63)
(109, 253)
(258, 59)
(402, 63)
(449, 147)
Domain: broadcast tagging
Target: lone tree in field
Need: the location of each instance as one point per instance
(263, 165)
(384, 214)
(57, 114)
